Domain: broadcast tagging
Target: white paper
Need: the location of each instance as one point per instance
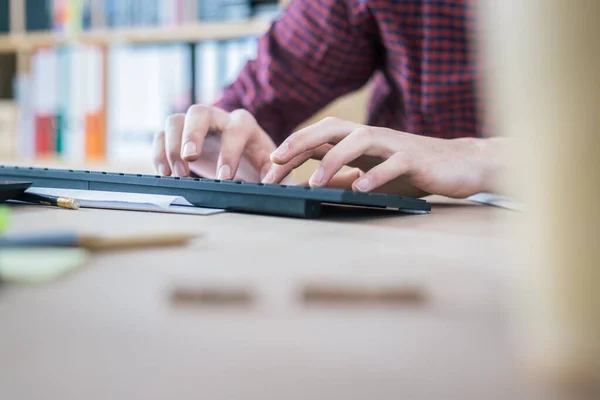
(128, 201)
(497, 200)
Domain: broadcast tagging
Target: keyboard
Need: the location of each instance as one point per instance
(237, 196)
(11, 189)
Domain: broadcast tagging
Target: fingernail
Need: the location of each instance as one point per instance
(224, 172)
(317, 177)
(363, 184)
(189, 149)
(162, 170)
(179, 169)
(269, 177)
(281, 150)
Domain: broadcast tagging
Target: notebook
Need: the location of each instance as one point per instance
(128, 201)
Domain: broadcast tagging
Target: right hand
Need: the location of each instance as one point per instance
(182, 146)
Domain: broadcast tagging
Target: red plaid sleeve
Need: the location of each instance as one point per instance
(317, 51)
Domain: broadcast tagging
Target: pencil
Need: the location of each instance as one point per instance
(62, 202)
(94, 242)
(97, 242)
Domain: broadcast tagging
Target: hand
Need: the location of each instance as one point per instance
(189, 142)
(412, 164)
(345, 178)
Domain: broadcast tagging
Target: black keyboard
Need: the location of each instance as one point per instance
(11, 189)
(286, 200)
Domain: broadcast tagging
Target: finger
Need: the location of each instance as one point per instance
(161, 164)
(234, 138)
(278, 172)
(398, 164)
(173, 131)
(342, 180)
(328, 130)
(350, 148)
(320, 151)
(365, 162)
(199, 120)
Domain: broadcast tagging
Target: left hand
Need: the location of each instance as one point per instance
(455, 168)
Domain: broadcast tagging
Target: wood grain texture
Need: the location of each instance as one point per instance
(111, 331)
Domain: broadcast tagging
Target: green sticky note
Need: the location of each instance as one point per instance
(4, 217)
(39, 265)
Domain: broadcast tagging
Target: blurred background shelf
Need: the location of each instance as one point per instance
(85, 80)
(191, 32)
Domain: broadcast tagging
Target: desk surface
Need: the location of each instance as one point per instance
(109, 330)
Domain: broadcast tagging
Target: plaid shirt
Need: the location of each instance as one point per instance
(417, 53)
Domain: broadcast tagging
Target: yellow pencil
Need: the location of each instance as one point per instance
(62, 202)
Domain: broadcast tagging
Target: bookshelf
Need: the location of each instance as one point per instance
(191, 32)
(18, 49)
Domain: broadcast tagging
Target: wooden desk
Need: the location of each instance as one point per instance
(110, 332)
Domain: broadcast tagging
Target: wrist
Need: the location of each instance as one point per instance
(490, 159)
(496, 153)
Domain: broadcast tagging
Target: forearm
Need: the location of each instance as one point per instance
(303, 63)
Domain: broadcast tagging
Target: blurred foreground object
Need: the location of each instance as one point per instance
(39, 265)
(4, 218)
(348, 294)
(545, 75)
(94, 242)
(216, 296)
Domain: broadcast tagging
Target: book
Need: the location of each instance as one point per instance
(8, 69)
(224, 10)
(70, 17)
(45, 100)
(75, 88)
(4, 16)
(25, 123)
(95, 103)
(137, 106)
(38, 15)
(8, 129)
(207, 72)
